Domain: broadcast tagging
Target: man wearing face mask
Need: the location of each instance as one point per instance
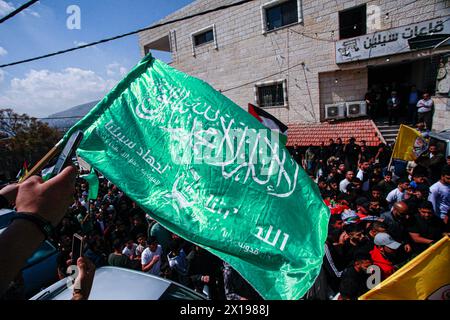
(384, 253)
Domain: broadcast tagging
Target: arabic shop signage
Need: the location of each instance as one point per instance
(388, 42)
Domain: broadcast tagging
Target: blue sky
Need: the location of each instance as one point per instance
(51, 85)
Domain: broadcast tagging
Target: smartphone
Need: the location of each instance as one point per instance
(68, 152)
(77, 248)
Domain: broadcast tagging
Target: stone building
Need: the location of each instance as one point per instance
(310, 61)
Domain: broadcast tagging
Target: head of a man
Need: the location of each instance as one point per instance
(426, 96)
(433, 149)
(364, 166)
(152, 243)
(421, 191)
(142, 239)
(376, 228)
(425, 210)
(419, 177)
(355, 233)
(374, 207)
(362, 260)
(388, 177)
(336, 222)
(445, 175)
(349, 175)
(376, 193)
(400, 210)
(130, 243)
(386, 244)
(403, 184)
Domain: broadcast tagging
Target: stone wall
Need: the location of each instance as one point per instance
(441, 117)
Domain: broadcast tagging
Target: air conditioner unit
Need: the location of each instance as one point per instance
(356, 109)
(335, 111)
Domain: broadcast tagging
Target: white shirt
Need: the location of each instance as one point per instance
(343, 185)
(140, 249)
(148, 255)
(360, 176)
(395, 196)
(424, 105)
(129, 252)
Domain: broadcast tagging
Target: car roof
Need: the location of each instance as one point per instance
(114, 283)
(443, 135)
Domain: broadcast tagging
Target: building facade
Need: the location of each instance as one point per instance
(307, 61)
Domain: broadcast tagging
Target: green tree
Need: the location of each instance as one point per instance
(22, 138)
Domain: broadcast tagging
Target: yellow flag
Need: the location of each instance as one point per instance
(409, 144)
(427, 276)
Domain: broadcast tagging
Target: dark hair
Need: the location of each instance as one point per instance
(377, 188)
(174, 245)
(378, 224)
(425, 205)
(117, 245)
(446, 171)
(140, 235)
(361, 255)
(334, 218)
(353, 227)
(152, 240)
(403, 180)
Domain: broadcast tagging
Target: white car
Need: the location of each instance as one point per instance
(113, 283)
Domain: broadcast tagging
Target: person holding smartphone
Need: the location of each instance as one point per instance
(40, 206)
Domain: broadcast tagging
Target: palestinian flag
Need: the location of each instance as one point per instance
(23, 172)
(269, 121)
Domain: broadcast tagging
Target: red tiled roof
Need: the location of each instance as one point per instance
(315, 133)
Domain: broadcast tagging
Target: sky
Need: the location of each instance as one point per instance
(51, 85)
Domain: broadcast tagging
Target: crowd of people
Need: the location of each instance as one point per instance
(377, 218)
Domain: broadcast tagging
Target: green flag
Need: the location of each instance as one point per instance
(92, 179)
(211, 173)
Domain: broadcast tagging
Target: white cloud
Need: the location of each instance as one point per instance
(115, 69)
(5, 7)
(79, 43)
(43, 92)
(33, 13)
(3, 52)
(2, 75)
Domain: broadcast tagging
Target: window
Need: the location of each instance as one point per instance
(271, 94)
(204, 37)
(353, 22)
(280, 13)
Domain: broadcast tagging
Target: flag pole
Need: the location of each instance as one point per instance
(43, 162)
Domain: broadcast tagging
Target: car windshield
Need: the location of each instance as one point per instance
(175, 292)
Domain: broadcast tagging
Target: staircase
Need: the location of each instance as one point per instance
(388, 132)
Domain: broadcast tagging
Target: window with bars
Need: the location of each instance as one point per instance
(204, 37)
(271, 95)
(281, 14)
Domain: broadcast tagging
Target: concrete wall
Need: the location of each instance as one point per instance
(441, 117)
(245, 55)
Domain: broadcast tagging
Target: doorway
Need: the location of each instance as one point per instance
(400, 77)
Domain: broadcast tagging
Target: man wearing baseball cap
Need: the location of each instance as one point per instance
(383, 253)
